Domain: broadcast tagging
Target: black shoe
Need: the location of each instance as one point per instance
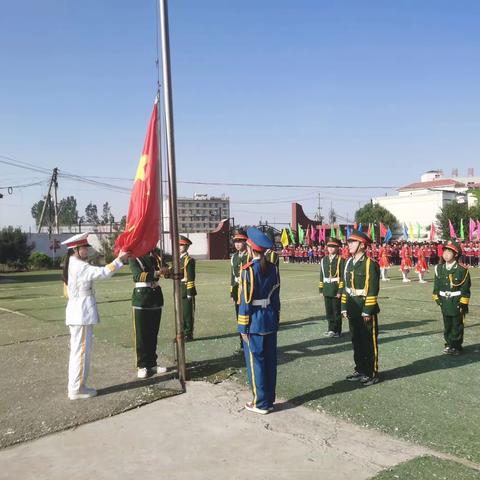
(188, 338)
(454, 351)
(354, 377)
(367, 381)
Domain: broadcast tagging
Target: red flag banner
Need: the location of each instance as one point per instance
(433, 232)
(141, 232)
(383, 230)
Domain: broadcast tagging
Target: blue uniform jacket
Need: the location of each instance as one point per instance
(256, 290)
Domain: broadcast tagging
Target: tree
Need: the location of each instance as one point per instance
(37, 210)
(91, 214)
(67, 211)
(107, 216)
(371, 213)
(454, 212)
(13, 246)
(476, 194)
(123, 223)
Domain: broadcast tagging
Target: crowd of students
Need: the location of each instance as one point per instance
(421, 254)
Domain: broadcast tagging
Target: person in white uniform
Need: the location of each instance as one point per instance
(82, 314)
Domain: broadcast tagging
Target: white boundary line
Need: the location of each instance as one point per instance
(14, 312)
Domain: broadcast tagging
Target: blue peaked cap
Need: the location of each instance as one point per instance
(259, 238)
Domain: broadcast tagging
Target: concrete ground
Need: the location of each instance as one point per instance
(206, 434)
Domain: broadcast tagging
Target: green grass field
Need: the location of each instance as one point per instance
(425, 396)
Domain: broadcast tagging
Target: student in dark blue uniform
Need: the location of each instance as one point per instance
(258, 318)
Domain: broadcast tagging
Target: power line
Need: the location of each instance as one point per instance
(280, 185)
(42, 182)
(19, 164)
(91, 180)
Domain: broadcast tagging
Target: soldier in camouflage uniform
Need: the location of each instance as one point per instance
(451, 290)
(187, 265)
(360, 307)
(147, 303)
(331, 286)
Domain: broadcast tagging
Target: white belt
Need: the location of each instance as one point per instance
(146, 284)
(261, 302)
(84, 293)
(449, 294)
(355, 292)
(330, 279)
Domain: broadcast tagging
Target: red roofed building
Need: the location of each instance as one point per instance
(420, 202)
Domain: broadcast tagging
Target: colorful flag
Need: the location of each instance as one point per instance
(452, 230)
(284, 238)
(313, 234)
(301, 234)
(323, 234)
(372, 233)
(432, 232)
(292, 235)
(340, 234)
(308, 236)
(462, 232)
(405, 231)
(348, 231)
(369, 231)
(142, 229)
(383, 230)
(478, 229)
(410, 231)
(359, 227)
(388, 235)
(471, 229)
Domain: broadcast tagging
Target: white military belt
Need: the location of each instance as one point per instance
(84, 293)
(261, 302)
(330, 279)
(146, 284)
(355, 292)
(449, 294)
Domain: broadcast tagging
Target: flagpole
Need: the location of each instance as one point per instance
(160, 175)
(172, 186)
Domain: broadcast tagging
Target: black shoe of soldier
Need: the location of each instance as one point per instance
(367, 381)
(354, 377)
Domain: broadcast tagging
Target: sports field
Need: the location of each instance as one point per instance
(425, 396)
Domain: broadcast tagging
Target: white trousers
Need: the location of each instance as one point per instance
(80, 355)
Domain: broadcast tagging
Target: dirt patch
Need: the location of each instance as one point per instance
(34, 398)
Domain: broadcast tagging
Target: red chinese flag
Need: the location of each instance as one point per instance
(141, 232)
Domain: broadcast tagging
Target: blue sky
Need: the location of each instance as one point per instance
(298, 92)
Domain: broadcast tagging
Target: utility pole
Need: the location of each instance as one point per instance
(55, 198)
(319, 209)
(48, 200)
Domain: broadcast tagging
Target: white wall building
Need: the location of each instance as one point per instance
(420, 202)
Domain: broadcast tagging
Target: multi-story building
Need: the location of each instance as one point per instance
(201, 213)
(420, 202)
